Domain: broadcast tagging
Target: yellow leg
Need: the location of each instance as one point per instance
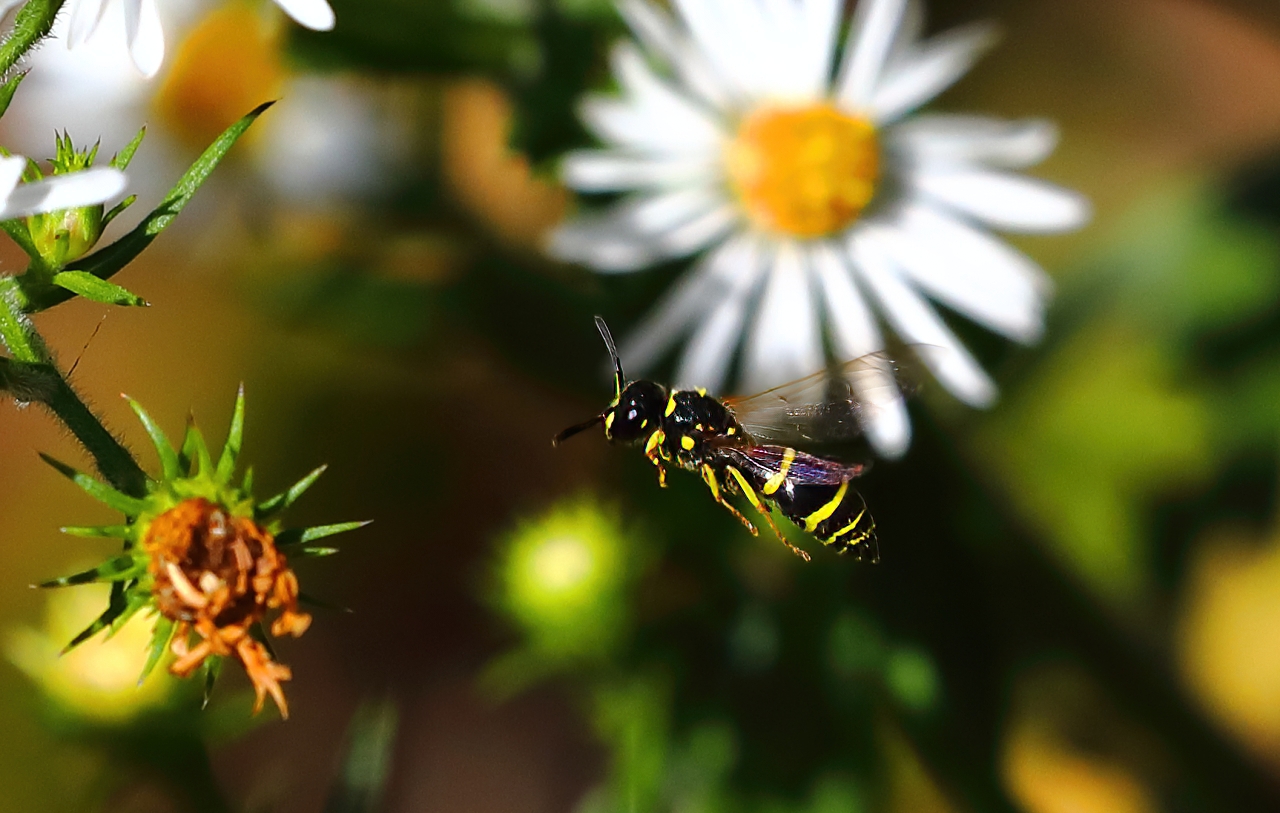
(759, 505)
(653, 451)
(709, 477)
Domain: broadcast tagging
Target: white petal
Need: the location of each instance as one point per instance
(616, 171)
(85, 17)
(659, 99)
(951, 139)
(62, 192)
(706, 358)
(694, 294)
(659, 33)
(970, 271)
(786, 339)
(816, 38)
(854, 335)
(875, 25)
(917, 323)
(644, 229)
(144, 34)
(853, 325)
(313, 14)
(632, 125)
(730, 34)
(1003, 200)
(928, 70)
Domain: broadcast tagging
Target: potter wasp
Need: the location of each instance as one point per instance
(736, 445)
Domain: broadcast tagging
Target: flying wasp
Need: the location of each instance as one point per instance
(725, 442)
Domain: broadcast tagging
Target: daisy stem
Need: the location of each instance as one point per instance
(31, 375)
(32, 24)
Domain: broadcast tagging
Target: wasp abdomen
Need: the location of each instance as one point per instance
(835, 514)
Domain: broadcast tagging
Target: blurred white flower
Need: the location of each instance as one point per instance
(85, 188)
(813, 195)
(143, 31)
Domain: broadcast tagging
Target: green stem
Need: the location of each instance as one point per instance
(30, 26)
(31, 375)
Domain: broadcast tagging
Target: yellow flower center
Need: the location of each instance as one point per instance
(803, 171)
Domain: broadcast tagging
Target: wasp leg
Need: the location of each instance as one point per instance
(763, 508)
(709, 477)
(653, 451)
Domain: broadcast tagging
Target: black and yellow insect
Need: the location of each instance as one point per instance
(702, 434)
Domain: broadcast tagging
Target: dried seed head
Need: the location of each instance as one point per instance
(217, 575)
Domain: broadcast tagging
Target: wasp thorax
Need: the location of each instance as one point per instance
(637, 413)
(217, 575)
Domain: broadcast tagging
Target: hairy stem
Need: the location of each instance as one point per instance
(31, 375)
(32, 24)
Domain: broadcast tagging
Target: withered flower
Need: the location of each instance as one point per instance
(206, 559)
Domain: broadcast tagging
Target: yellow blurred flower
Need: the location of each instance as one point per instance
(99, 678)
(562, 578)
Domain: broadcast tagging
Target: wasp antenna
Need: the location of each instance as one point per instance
(619, 380)
(575, 429)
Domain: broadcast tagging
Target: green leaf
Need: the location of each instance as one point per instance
(299, 536)
(212, 666)
(108, 261)
(130, 506)
(111, 213)
(247, 485)
(235, 437)
(312, 601)
(164, 449)
(285, 499)
(99, 290)
(32, 24)
(19, 232)
(122, 158)
(99, 531)
(161, 635)
(119, 568)
(136, 602)
(115, 606)
(194, 451)
(309, 553)
(8, 89)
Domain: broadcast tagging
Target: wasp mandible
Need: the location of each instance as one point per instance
(709, 436)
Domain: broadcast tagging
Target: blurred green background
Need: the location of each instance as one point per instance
(1078, 603)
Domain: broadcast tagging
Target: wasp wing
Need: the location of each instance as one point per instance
(767, 460)
(828, 406)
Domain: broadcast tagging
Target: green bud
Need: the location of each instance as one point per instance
(67, 235)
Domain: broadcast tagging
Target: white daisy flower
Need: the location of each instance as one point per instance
(812, 196)
(142, 24)
(85, 188)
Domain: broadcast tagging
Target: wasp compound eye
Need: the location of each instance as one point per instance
(639, 411)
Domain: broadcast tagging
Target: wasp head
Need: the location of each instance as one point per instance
(637, 413)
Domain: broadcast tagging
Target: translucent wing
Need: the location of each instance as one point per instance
(767, 460)
(829, 406)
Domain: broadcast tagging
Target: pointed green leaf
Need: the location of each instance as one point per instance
(311, 552)
(31, 24)
(298, 536)
(111, 213)
(161, 635)
(136, 602)
(285, 499)
(129, 506)
(99, 531)
(119, 568)
(212, 666)
(199, 450)
(312, 601)
(115, 606)
(108, 261)
(99, 290)
(122, 158)
(8, 89)
(164, 449)
(235, 437)
(247, 486)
